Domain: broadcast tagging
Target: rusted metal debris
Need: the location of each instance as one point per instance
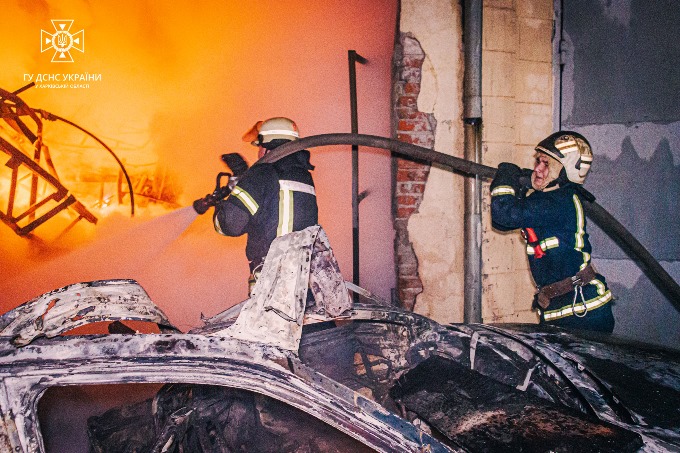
(23, 219)
(379, 378)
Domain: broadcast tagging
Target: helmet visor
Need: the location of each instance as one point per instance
(251, 135)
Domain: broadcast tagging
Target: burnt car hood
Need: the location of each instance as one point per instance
(639, 382)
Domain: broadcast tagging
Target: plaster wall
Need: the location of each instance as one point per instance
(517, 113)
(436, 229)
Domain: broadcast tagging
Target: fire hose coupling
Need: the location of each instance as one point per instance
(238, 166)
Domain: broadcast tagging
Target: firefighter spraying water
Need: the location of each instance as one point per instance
(268, 200)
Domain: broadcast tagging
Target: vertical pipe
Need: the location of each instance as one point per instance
(472, 116)
(353, 58)
(558, 62)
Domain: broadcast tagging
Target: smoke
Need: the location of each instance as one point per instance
(179, 86)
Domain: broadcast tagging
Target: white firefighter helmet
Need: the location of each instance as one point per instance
(278, 128)
(572, 150)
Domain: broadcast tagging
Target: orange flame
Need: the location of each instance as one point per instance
(179, 86)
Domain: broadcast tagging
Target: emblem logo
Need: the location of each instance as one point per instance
(62, 41)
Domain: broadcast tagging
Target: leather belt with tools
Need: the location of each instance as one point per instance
(565, 286)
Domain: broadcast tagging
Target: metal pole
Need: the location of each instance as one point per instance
(472, 116)
(353, 58)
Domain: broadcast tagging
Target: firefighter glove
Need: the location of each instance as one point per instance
(524, 182)
(236, 163)
(508, 175)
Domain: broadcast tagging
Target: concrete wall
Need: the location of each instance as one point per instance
(621, 89)
(517, 113)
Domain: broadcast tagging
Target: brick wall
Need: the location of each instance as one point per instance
(410, 177)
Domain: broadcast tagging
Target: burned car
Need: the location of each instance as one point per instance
(280, 373)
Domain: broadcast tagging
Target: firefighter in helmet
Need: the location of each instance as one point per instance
(269, 200)
(547, 205)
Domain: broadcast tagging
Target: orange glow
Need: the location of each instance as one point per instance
(180, 85)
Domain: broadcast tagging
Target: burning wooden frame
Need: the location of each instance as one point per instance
(25, 212)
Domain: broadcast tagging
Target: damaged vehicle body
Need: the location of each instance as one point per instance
(278, 373)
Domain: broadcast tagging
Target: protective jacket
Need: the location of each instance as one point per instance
(559, 250)
(270, 200)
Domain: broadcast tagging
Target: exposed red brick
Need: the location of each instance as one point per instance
(410, 187)
(407, 113)
(408, 200)
(412, 285)
(403, 175)
(424, 117)
(405, 125)
(411, 126)
(411, 61)
(411, 291)
(410, 75)
(410, 164)
(406, 260)
(415, 125)
(406, 138)
(407, 101)
(410, 87)
(398, 89)
(407, 269)
(404, 212)
(407, 296)
(424, 140)
(414, 175)
(410, 282)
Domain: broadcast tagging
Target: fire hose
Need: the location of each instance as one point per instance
(608, 223)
